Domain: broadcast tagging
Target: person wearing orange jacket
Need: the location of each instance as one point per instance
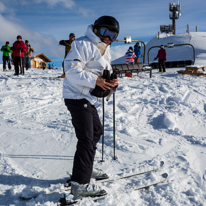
(19, 47)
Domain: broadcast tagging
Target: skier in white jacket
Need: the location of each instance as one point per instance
(85, 64)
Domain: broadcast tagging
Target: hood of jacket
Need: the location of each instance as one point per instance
(96, 40)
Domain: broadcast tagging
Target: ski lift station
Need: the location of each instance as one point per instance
(182, 49)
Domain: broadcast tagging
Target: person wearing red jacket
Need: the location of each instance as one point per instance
(19, 47)
(162, 55)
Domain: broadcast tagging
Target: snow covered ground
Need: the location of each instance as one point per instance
(158, 118)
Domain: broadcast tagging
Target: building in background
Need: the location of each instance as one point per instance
(39, 61)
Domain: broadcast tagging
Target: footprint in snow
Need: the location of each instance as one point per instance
(204, 177)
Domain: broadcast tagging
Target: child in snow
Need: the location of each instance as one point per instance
(88, 59)
(130, 55)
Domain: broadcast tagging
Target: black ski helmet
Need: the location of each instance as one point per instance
(107, 21)
(72, 34)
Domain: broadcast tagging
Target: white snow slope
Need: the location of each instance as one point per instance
(158, 118)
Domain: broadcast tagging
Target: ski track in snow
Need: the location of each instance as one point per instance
(162, 118)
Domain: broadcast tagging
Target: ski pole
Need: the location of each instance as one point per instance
(21, 69)
(114, 124)
(20, 62)
(103, 130)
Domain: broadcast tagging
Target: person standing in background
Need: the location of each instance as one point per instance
(53, 66)
(27, 55)
(137, 49)
(67, 44)
(19, 47)
(6, 49)
(130, 55)
(162, 56)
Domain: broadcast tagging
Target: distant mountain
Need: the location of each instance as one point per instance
(197, 39)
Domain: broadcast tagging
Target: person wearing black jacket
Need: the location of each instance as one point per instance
(67, 44)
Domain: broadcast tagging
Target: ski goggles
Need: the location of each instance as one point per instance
(104, 32)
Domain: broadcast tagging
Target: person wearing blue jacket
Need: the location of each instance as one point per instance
(137, 49)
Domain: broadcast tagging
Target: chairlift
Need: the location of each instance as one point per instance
(127, 39)
(170, 45)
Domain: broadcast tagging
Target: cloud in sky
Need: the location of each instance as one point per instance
(65, 3)
(41, 43)
(2, 7)
(70, 4)
(46, 44)
(85, 12)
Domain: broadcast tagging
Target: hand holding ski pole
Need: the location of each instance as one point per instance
(114, 82)
(101, 82)
(113, 90)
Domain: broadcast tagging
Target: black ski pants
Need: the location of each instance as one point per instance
(6, 59)
(88, 129)
(161, 65)
(18, 61)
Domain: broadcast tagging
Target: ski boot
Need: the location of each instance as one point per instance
(97, 174)
(79, 191)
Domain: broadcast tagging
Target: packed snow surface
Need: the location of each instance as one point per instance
(162, 118)
(158, 118)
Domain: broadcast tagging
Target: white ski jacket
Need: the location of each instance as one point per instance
(86, 60)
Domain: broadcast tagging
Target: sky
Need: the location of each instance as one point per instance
(45, 22)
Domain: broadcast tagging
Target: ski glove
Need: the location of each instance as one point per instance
(20, 49)
(98, 91)
(6, 50)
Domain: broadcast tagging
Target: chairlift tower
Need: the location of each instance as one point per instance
(174, 14)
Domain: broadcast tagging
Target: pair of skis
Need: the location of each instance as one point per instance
(67, 200)
(65, 190)
(124, 177)
(52, 78)
(64, 202)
